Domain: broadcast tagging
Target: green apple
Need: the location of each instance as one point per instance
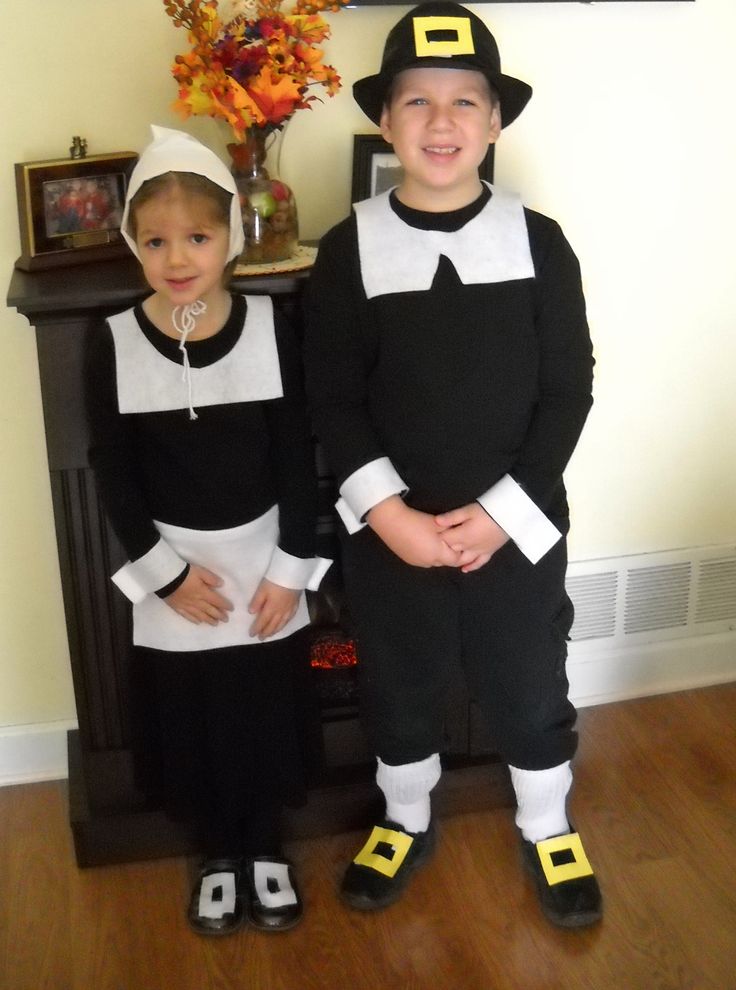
(263, 203)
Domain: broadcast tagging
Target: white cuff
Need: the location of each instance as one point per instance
(520, 517)
(152, 571)
(296, 573)
(350, 520)
(366, 487)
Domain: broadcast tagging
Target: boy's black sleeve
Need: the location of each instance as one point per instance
(292, 452)
(339, 351)
(565, 365)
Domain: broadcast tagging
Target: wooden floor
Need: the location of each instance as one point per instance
(655, 801)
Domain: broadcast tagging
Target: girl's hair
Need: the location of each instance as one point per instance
(191, 184)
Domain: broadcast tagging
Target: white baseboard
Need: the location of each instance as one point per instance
(31, 753)
(597, 675)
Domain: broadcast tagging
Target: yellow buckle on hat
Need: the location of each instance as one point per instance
(462, 45)
(559, 872)
(400, 842)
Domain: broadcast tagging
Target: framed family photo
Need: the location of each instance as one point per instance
(70, 210)
(376, 168)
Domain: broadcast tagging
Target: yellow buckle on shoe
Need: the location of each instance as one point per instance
(400, 842)
(559, 872)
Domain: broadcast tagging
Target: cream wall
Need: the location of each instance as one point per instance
(629, 142)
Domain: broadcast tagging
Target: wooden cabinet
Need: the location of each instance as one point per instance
(109, 818)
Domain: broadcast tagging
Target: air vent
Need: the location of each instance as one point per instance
(594, 598)
(653, 597)
(716, 597)
(657, 597)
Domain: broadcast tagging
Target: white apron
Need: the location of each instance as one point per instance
(240, 556)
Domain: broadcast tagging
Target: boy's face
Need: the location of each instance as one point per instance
(440, 123)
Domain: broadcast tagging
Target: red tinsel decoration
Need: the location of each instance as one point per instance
(329, 652)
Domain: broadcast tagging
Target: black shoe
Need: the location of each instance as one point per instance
(568, 891)
(274, 904)
(382, 869)
(216, 905)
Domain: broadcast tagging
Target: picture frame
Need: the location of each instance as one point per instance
(376, 168)
(70, 209)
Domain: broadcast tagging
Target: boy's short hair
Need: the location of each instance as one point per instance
(441, 35)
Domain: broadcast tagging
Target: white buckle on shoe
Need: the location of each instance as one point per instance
(217, 896)
(266, 877)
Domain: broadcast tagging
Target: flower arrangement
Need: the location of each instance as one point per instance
(250, 64)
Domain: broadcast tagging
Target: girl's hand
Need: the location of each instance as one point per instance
(472, 533)
(196, 599)
(273, 606)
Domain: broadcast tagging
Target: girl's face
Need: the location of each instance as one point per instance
(440, 122)
(183, 246)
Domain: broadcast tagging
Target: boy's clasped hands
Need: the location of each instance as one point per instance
(465, 538)
(198, 600)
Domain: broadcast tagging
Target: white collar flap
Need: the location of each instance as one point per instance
(394, 257)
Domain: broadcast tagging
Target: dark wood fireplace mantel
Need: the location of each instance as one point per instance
(109, 817)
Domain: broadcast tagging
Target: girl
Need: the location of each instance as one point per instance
(202, 453)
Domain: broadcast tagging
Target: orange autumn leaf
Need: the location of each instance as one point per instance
(256, 69)
(274, 98)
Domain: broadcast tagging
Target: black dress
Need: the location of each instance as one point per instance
(216, 732)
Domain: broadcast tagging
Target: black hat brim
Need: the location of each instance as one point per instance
(514, 94)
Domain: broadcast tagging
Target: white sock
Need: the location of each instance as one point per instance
(406, 788)
(541, 797)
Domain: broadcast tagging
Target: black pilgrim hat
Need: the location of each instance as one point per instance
(441, 35)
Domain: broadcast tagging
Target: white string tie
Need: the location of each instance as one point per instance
(189, 316)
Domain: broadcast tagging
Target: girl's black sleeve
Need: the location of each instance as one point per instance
(112, 448)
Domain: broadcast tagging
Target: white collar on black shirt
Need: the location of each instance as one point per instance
(396, 257)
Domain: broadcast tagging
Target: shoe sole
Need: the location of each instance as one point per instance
(216, 932)
(577, 921)
(262, 926)
(582, 919)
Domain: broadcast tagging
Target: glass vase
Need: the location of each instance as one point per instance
(270, 223)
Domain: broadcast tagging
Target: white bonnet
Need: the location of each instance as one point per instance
(175, 151)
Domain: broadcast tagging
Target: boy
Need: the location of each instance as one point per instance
(450, 369)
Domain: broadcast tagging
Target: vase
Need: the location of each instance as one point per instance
(270, 222)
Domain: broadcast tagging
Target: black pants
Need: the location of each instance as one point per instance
(506, 624)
